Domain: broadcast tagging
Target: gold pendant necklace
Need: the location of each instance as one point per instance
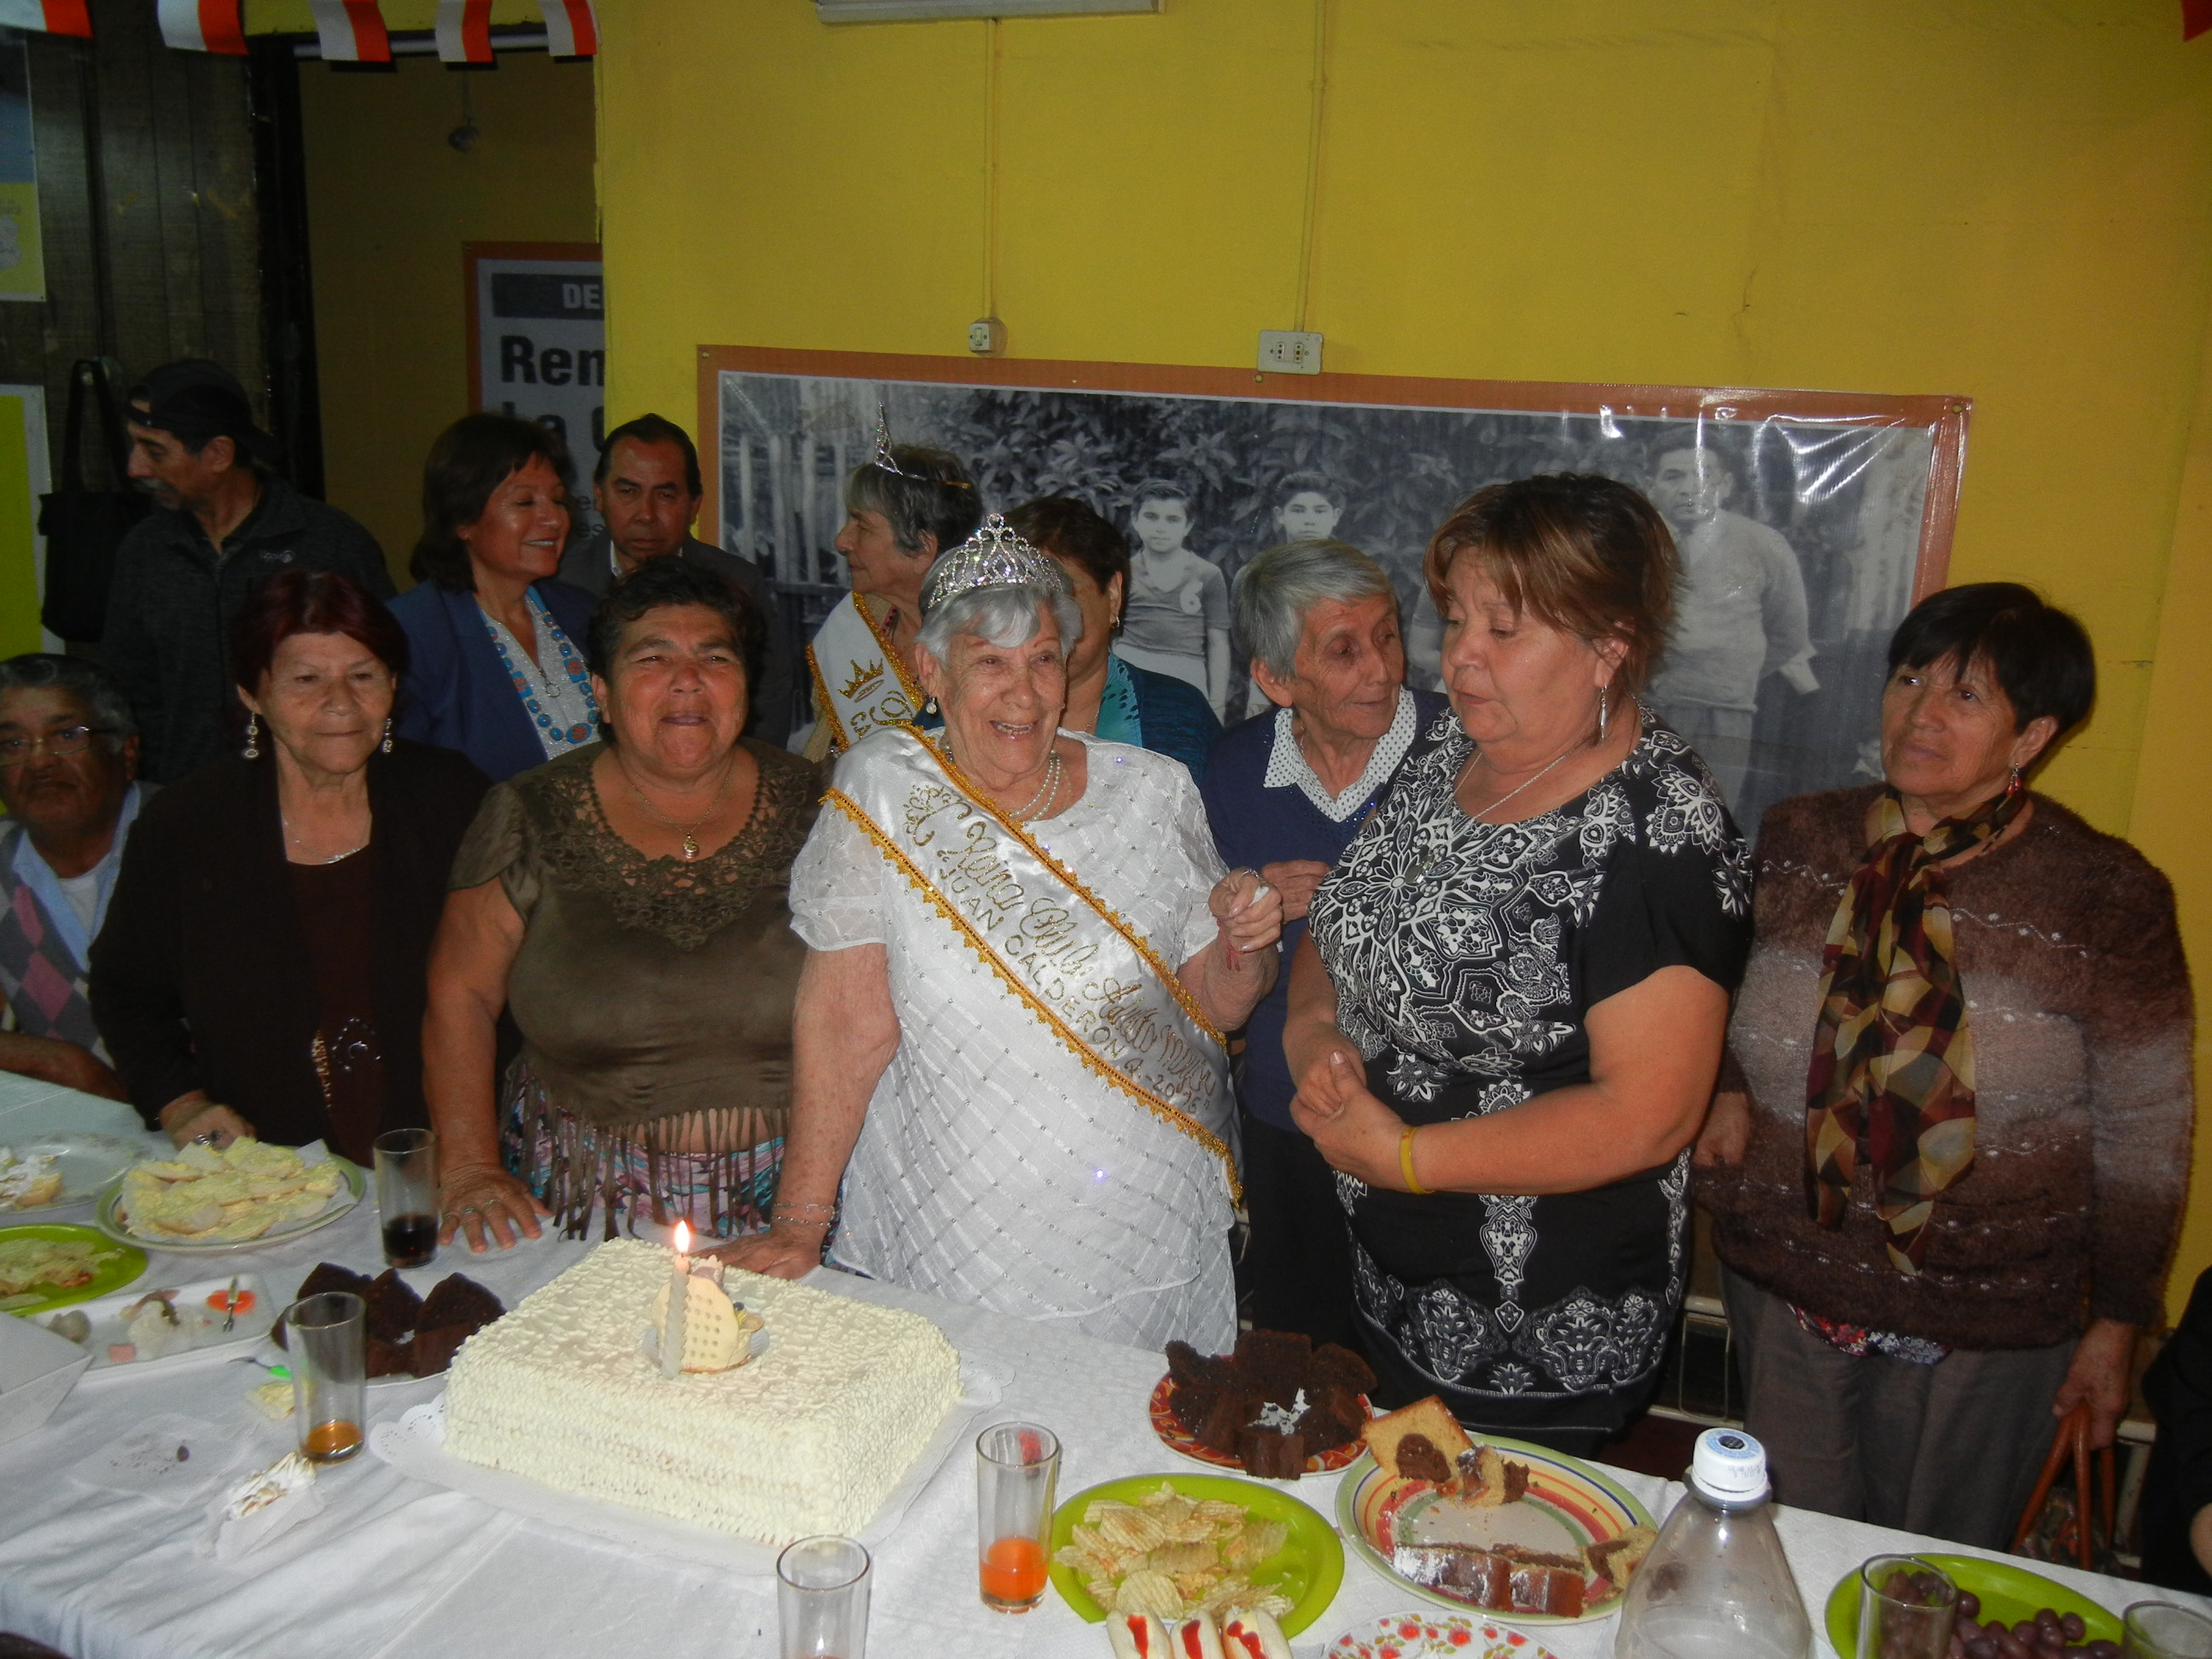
(689, 830)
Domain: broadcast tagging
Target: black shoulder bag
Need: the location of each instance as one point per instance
(83, 527)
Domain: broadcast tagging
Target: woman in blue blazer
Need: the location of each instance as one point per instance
(496, 647)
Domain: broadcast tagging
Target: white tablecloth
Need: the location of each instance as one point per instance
(394, 1566)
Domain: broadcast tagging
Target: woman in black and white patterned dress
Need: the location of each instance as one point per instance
(1508, 1016)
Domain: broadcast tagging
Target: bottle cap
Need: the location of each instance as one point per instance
(1729, 1467)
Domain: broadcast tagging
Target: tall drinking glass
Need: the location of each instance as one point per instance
(407, 1196)
(330, 1384)
(2159, 1630)
(822, 1598)
(1906, 1608)
(1017, 1470)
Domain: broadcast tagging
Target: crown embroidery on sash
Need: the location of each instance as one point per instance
(863, 678)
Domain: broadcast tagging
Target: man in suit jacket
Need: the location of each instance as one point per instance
(648, 489)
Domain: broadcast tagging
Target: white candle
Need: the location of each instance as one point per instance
(679, 1295)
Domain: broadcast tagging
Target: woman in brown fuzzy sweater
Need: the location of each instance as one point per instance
(1950, 1171)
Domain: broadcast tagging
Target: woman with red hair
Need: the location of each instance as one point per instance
(261, 970)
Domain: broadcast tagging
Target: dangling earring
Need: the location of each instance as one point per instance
(2016, 785)
(253, 737)
(386, 744)
(929, 706)
(1604, 709)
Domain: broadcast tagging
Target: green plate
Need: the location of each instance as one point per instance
(1307, 1569)
(128, 1262)
(2008, 1593)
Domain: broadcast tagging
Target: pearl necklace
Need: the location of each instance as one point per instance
(1048, 792)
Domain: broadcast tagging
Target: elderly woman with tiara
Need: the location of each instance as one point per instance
(903, 506)
(1008, 1062)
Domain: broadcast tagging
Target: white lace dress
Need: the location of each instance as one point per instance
(991, 1169)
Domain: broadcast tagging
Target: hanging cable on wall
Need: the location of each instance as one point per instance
(987, 335)
(1315, 114)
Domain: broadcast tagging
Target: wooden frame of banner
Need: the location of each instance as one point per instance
(473, 252)
(1948, 416)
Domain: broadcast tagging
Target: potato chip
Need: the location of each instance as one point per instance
(1172, 1556)
(1148, 1592)
(1257, 1542)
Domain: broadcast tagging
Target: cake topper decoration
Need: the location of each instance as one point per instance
(994, 556)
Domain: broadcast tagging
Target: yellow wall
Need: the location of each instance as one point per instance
(1971, 197)
(389, 204)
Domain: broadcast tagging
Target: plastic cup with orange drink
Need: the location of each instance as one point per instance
(1016, 1471)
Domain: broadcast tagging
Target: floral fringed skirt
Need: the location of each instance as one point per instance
(594, 1178)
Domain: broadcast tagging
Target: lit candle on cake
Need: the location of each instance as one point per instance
(679, 1298)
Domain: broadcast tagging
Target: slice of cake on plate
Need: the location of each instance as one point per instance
(811, 1437)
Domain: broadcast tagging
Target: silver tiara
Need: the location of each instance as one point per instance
(885, 461)
(883, 457)
(994, 556)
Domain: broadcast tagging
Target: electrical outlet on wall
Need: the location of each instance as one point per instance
(987, 336)
(1284, 352)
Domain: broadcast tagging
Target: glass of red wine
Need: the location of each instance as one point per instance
(407, 1196)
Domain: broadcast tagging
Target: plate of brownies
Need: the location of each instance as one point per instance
(1505, 1527)
(1278, 1408)
(408, 1336)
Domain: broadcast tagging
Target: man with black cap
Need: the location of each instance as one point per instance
(224, 521)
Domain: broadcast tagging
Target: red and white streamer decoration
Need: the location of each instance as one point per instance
(49, 16)
(204, 25)
(464, 31)
(351, 32)
(571, 30)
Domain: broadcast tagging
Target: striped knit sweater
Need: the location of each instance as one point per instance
(2079, 1001)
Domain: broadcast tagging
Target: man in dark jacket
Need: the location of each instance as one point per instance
(223, 522)
(648, 489)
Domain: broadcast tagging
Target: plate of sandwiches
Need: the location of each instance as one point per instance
(1503, 1527)
(206, 1202)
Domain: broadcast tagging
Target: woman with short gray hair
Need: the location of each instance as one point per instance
(1008, 1065)
(1284, 793)
(903, 507)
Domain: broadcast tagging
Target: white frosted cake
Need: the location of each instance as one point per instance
(811, 1435)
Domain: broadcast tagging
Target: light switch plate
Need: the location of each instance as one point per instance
(1284, 352)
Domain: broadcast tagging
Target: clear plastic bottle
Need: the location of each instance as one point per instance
(1716, 1584)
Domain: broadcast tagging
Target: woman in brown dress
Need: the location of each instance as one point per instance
(627, 903)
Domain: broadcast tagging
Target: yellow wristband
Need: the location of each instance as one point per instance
(1406, 1162)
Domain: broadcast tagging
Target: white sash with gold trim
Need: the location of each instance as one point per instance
(1089, 978)
(859, 683)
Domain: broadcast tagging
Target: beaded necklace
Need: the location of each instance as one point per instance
(554, 733)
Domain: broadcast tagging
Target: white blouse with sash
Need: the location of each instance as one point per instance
(995, 1167)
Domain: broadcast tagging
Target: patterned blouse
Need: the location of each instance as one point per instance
(1466, 956)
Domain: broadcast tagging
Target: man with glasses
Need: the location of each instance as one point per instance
(68, 749)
